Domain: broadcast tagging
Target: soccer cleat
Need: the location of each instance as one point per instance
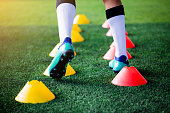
(64, 55)
(118, 63)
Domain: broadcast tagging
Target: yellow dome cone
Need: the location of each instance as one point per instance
(75, 53)
(34, 92)
(54, 51)
(69, 71)
(76, 28)
(76, 37)
(46, 72)
(81, 19)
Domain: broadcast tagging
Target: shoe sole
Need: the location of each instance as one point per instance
(60, 69)
(116, 71)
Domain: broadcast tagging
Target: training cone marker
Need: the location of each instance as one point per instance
(46, 72)
(129, 43)
(126, 33)
(76, 37)
(110, 54)
(34, 92)
(54, 51)
(109, 33)
(76, 28)
(69, 71)
(81, 19)
(105, 24)
(129, 55)
(112, 45)
(129, 76)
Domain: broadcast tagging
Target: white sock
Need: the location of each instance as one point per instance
(65, 16)
(117, 27)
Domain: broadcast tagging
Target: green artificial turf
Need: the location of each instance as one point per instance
(28, 33)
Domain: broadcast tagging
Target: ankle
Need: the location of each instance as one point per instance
(122, 58)
(66, 40)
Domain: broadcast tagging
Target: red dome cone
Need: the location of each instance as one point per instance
(128, 54)
(109, 33)
(129, 43)
(110, 54)
(105, 24)
(129, 76)
(126, 33)
(112, 45)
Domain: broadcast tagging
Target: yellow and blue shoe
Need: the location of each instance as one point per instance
(64, 55)
(118, 63)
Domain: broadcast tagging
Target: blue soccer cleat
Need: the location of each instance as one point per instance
(118, 63)
(64, 55)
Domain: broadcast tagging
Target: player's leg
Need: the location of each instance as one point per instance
(116, 19)
(65, 14)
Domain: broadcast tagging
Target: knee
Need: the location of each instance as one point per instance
(107, 1)
(104, 1)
